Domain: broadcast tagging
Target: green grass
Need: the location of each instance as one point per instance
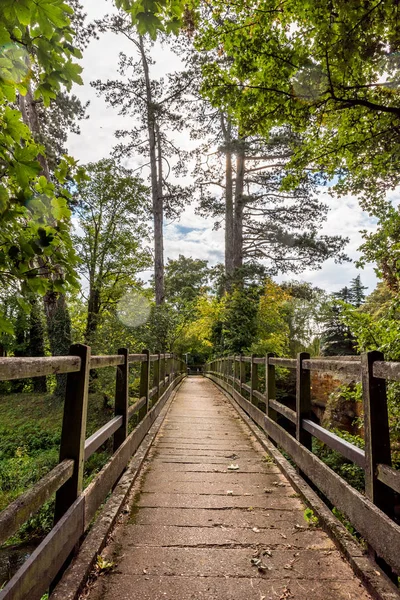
(30, 431)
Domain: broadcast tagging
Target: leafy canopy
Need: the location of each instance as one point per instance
(37, 54)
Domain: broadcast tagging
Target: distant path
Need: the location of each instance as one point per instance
(200, 530)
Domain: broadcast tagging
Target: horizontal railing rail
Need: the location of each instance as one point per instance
(75, 507)
(372, 513)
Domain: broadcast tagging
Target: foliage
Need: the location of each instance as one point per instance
(310, 517)
(272, 324)
(350, 472)
(329, 69)
(337, 336)
(29, 448)
(112, 208)
(186, 278)
(307, 308)
(36, 51)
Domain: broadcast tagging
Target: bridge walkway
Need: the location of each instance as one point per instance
(213, 518)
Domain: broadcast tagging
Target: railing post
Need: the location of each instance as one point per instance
(162, 373)
(122, 398)
(270, 386)
(242, 373)
(376, 433)
(253, 380)
(74, 430)
(157, 375)
(236, 373)
(145, 383)
(303, 400)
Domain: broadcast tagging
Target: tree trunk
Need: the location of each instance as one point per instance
(59, 331)
(17, 386)
(55, 305)
(92, 316)
(36, 342)
(156, 184)
(229, 219)
(239, 207)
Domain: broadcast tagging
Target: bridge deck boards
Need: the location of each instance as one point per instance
(197, 527)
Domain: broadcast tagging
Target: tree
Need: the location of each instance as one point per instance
(329, 69)
(150, 103)
(239, 179)
(186, 279)
(38, 44)
(307, 307)
(337, 336)
(112, 209)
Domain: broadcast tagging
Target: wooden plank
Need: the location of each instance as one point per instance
(303, 400)
(246, 359)
(135, 407)
(259, 361)
(23, 507)
(242, 373)
(137, 358)
(100, 436)
(21, 368)
(98, 489)
(270, 386)
(376, 433)
(121, 405)
(259, 395)
(337, 366)
(253, 379)
(246, 387)
(381, 532)
(153, 392)
(350, 451)
(389, 477)
(99, 362)
(288, 363)
(386, 370)
(33, 579)
(283, 410)
(73, 432)
(156, 375)
(145, 383)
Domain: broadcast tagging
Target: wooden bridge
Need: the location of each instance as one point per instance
(204, 504)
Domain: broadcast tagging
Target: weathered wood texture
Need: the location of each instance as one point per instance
(356, 455)
(20, 368)
(381, 532)
(283, 410)
(371, 515)
(93, 443)
(76, 508)
(73, 430)
(376, 432)
(23, 507)
(122, 398)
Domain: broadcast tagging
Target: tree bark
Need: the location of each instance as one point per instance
(239, 207)
(229, 218)
(156, 184)
(55, 305)
(92, 315)
(36, 342)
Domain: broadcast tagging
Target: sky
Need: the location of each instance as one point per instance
(194, 235)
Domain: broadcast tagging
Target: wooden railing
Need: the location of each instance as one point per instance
(75, 507)
(371, 514)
